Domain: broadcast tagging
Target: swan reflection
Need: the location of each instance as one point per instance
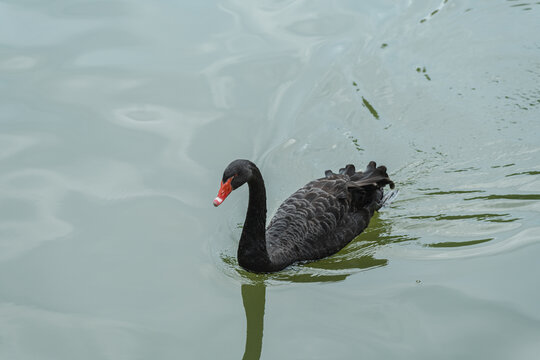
(357, 256)
(253, 296)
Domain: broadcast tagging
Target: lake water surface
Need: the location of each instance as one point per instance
(117, 119)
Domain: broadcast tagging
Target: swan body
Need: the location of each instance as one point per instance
(316, 221)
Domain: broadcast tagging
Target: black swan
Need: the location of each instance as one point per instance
(316, 221)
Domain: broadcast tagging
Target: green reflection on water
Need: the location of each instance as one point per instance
(479, 217)
(450, 244)
(453, 192)
(502, 166)
(370, 108)
(507, 197)
(362, 262)
(423, 71)
(525, 173)
(366, 103)
(472, 168)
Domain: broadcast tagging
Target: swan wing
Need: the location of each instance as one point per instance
(310, 223)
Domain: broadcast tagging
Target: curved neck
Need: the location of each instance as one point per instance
(252, 252)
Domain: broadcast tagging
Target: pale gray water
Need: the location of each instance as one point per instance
(117, 119)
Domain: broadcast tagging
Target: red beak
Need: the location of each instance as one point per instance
(224, 191)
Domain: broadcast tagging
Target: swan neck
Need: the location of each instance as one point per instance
(252, 250)
(256, 214)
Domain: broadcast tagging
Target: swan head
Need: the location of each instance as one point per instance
(235, 175)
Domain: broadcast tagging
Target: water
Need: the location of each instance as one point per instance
(117, 119)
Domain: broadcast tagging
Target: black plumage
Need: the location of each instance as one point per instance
(316, 221)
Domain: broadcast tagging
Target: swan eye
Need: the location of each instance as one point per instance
(224, 191)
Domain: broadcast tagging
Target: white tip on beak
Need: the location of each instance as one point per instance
(217, 201)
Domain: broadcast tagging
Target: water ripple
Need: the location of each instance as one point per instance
(11, 145)
(176, 127)
(518, 241)
(26, 331)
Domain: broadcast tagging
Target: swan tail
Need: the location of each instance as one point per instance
(348, 170)
(366, 188)
(373, 176)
